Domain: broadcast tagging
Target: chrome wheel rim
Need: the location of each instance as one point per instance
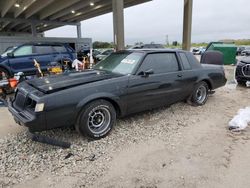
(201, 94)
(99, 119)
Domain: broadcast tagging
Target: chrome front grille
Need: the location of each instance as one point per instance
(246, 70)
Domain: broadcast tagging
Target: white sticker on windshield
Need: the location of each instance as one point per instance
(128, 61)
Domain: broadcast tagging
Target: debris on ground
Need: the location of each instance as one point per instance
(48, 140)
(92, 157)
(68, 155)
(241, 120)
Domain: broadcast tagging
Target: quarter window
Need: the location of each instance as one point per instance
(44, 49)
(185, 61)
(160, 63)
(60, 49)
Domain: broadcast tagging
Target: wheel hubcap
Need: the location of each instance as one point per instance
(99, 119)
(201, 94)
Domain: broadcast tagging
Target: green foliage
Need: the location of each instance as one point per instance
(99, 44)
(242, 42)
(204, 44)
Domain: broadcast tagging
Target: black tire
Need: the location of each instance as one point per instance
(241, 82)
(96, 119)
(199, 95)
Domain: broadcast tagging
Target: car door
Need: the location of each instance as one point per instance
(22, 60)
(163, 86)
(61, 53)
(44, 55)
(189, 75)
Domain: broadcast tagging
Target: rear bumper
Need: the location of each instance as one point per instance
(35, 123)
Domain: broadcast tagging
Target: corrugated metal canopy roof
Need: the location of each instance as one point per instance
(17, 15)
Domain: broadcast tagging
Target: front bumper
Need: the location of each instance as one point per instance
(35, 122)
(240, 75)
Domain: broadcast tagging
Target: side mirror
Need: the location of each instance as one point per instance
(146, 73)
(11, 54)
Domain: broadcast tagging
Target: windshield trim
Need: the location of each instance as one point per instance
(4, 54)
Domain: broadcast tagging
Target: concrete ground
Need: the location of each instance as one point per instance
(7, 124)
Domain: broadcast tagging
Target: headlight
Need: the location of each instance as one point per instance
(39, 107)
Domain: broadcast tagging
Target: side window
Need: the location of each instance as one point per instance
(44, 49)
(185, 61)
(160, 63)
(60, 49)
(24, 50)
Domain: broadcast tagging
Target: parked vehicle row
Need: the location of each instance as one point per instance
(21, 58)
(243, 50)
(246, 51)
(104, 54)
(148, 46)
(198, 51)
(239, 50)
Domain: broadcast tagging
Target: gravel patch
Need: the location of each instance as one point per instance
(23, 160)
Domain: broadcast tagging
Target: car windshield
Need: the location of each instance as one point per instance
(8, 51)
(121, 63)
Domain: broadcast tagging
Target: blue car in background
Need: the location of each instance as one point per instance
(21, 58)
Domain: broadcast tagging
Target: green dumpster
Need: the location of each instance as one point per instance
(228, 50)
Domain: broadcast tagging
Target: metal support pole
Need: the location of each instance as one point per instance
(79, 30)
(33, 30)
(187, 24)
(118, 24)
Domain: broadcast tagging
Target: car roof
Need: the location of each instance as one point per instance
(153, 50)
(44, 43)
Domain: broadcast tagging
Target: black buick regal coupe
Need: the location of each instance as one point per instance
(125, 82)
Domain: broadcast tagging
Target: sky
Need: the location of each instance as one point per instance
(151, 22)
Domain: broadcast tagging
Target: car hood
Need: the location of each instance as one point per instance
(245, 60)
(246, 50)
(56, 83)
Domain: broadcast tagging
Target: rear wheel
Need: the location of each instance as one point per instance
(199, 95)
(96, 119)
(241, 82)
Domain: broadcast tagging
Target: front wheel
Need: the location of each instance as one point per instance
(199, 95)
(4, 75)
(96, 119)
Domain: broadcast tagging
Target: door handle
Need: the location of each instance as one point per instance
(179, 75)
